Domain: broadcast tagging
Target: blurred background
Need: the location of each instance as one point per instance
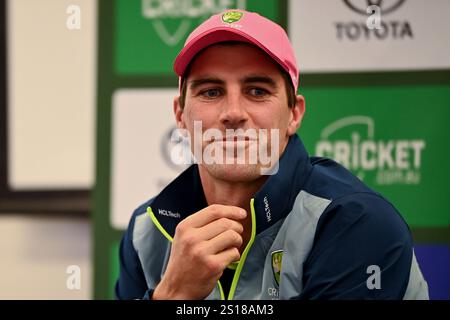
(86, 89)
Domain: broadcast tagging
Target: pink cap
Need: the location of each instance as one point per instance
(240, 25)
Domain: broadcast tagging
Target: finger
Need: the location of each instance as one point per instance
(223, 241)
(214, 212)
(217, 227)
(228, 256)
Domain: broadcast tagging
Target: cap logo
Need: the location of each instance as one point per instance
(232, 16)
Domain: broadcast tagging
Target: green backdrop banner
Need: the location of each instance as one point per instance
(149, 34)
(393, 138)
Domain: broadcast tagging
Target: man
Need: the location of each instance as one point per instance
(296, 227)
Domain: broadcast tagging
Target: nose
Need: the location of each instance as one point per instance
(233, 114)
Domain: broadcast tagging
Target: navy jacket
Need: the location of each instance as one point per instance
(318, 233)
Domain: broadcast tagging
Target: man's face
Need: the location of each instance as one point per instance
(233, 87)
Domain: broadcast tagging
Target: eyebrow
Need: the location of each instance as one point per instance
(193, 84)
(260, 79)
(198, 82)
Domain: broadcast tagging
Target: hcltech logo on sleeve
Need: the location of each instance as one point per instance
(351, 141)
(357, 30)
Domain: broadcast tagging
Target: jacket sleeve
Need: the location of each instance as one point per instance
(131, 283)
(362, 250)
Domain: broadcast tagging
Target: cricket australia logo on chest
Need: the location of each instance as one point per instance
(277, 258)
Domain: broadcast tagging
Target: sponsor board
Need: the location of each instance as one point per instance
(336, 36)
(393, 138)
(141, 167)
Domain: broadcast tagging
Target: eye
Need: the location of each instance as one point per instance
(258, 92)
(210, 93)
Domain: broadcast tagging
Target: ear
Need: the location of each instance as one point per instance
(297, 113)
(178, 112)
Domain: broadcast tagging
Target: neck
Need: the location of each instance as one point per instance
(230, 193)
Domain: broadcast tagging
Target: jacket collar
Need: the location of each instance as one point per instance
(184, 195)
